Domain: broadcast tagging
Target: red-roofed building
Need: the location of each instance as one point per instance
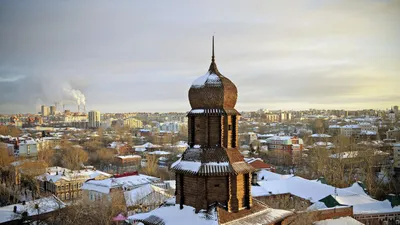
(259, 164)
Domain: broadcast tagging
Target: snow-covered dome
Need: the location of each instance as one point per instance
(213, 90)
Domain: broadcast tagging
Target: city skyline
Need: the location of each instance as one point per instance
(133, 56)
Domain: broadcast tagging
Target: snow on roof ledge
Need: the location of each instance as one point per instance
(339, 221)
(172, 215)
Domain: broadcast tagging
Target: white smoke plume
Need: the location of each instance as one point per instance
(77, 95)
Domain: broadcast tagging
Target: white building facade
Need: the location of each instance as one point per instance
(28, 148)
(350, 130)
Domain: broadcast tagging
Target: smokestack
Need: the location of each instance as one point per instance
(84, 108)
(78, 108)
(64, 107)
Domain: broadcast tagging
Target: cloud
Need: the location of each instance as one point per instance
(11, 78)
(131, 56)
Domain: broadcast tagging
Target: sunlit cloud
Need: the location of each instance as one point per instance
(135, 56)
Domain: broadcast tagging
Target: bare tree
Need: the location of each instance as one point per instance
(9, 130)
(73, 158)
(84, 212)
(5, 158)
(46, 154)
(151, 167)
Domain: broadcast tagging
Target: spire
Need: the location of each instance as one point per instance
(213, 55)
(213, 67)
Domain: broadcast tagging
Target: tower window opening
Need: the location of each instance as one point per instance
(229, 127)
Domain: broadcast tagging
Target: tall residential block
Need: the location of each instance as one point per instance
(94, 119)
(45, 110)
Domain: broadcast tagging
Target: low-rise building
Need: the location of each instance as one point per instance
(138, 192)
(37, 209)
(27, 148)
(334, 129)
(285, 143)
(396, 156)
(247, 138)
(49, 142)
(368, 127)
(127, 163)
(170, 126)
(393, 134)
(259, 164)
(350, 130)
(282, 190)
(65, 183)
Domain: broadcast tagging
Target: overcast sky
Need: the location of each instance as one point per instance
(128, 56)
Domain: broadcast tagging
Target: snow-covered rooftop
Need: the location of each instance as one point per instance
(355, 199)
(321, 136)
(147, 195)
(129, 156)
(265, 175)
(181, 144)
(46, 205)
(127, 182)
(159, 153)
(173, 215)
(374, 207)
(323, 143)
(351, 126)
(280, 138)
(144, 147)
(339, 221)
(196, 167)
(368, 132)
(56, 173)
(298, 186)
(354, 154)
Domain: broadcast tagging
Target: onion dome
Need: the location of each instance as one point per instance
(213, 90)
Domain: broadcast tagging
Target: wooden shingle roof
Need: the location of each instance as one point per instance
(216, 161)
(259, 213)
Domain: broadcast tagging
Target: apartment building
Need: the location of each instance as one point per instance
(66, 184)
